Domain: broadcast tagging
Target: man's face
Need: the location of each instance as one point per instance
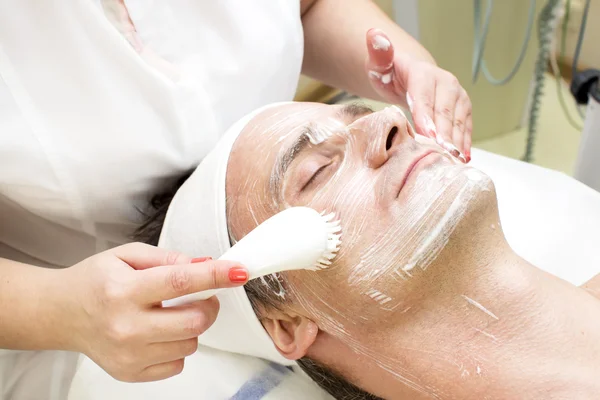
(398, 200)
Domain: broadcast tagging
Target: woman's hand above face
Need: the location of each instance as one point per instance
(441, 108)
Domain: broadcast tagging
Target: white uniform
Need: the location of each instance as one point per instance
(91, 126)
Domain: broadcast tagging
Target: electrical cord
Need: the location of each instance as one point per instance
(480, 37)
(545, 31)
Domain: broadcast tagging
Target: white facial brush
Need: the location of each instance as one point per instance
(296, 238)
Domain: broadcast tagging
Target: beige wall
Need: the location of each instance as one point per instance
(309, 89)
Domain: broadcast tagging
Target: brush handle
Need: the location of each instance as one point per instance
(190, 298)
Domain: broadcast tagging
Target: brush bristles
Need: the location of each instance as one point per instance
(334, 229)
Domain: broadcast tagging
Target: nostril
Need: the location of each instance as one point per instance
(390, 138)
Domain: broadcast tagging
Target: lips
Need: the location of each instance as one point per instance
(411, 168)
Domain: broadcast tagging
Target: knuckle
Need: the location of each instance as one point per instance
(213, 273)
(214, 306)
(190, 347)
(115, 289)
(427, 102)
(121, 332)
(459, 124)
(452, 80)
(210, 311)
(197, 324)
(131, 248)
(172, 257)
(179, 279)
(445, 112)
(177, 367)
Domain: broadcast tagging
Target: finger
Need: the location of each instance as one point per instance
(162, 371)
(463, 108)
(380, 51)
(422, 92)
(183, 322)
(171, 351)
(468, 135)
(446, 96)
(168, 282)
(380, 61)
(142, 256)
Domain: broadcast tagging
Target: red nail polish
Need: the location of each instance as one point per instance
(238, 275)
(201, 259)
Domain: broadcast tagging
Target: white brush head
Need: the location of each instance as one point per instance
(296, 238)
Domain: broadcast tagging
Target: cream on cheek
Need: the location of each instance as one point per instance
(385, 243)
(387, 240)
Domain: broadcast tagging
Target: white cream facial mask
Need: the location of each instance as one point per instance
(399, 200)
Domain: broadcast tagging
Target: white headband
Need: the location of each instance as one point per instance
(196, 224)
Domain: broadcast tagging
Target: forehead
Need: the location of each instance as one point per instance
(280, 125)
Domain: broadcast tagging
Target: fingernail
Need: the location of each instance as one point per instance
(409, 101)
(375, 75)
(238, 275)
(200, 259)
(380, 43)
(430, 127)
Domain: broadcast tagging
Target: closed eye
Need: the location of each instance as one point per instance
(315, 176)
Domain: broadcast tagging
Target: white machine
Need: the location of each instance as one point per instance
(585, 87)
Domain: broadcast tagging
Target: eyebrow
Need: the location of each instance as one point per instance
(302, 143)
(354, 110)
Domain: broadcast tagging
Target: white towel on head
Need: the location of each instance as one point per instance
(196, 224)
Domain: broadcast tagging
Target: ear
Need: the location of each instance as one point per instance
(292, 335)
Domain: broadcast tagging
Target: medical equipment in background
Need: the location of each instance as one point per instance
(546, 31)
(294, 239)
(585, 86)
(504, 53)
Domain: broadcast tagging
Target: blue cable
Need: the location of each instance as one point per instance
(480, 40)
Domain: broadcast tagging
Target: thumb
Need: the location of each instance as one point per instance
(143, 256)
(380, 59)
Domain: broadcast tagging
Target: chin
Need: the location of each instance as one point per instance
(434, 202)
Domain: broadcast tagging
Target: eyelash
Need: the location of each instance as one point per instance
(315, 176)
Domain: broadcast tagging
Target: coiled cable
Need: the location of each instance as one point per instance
(545, 31)
(480, 36)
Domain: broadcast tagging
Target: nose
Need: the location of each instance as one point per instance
(382, 132)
